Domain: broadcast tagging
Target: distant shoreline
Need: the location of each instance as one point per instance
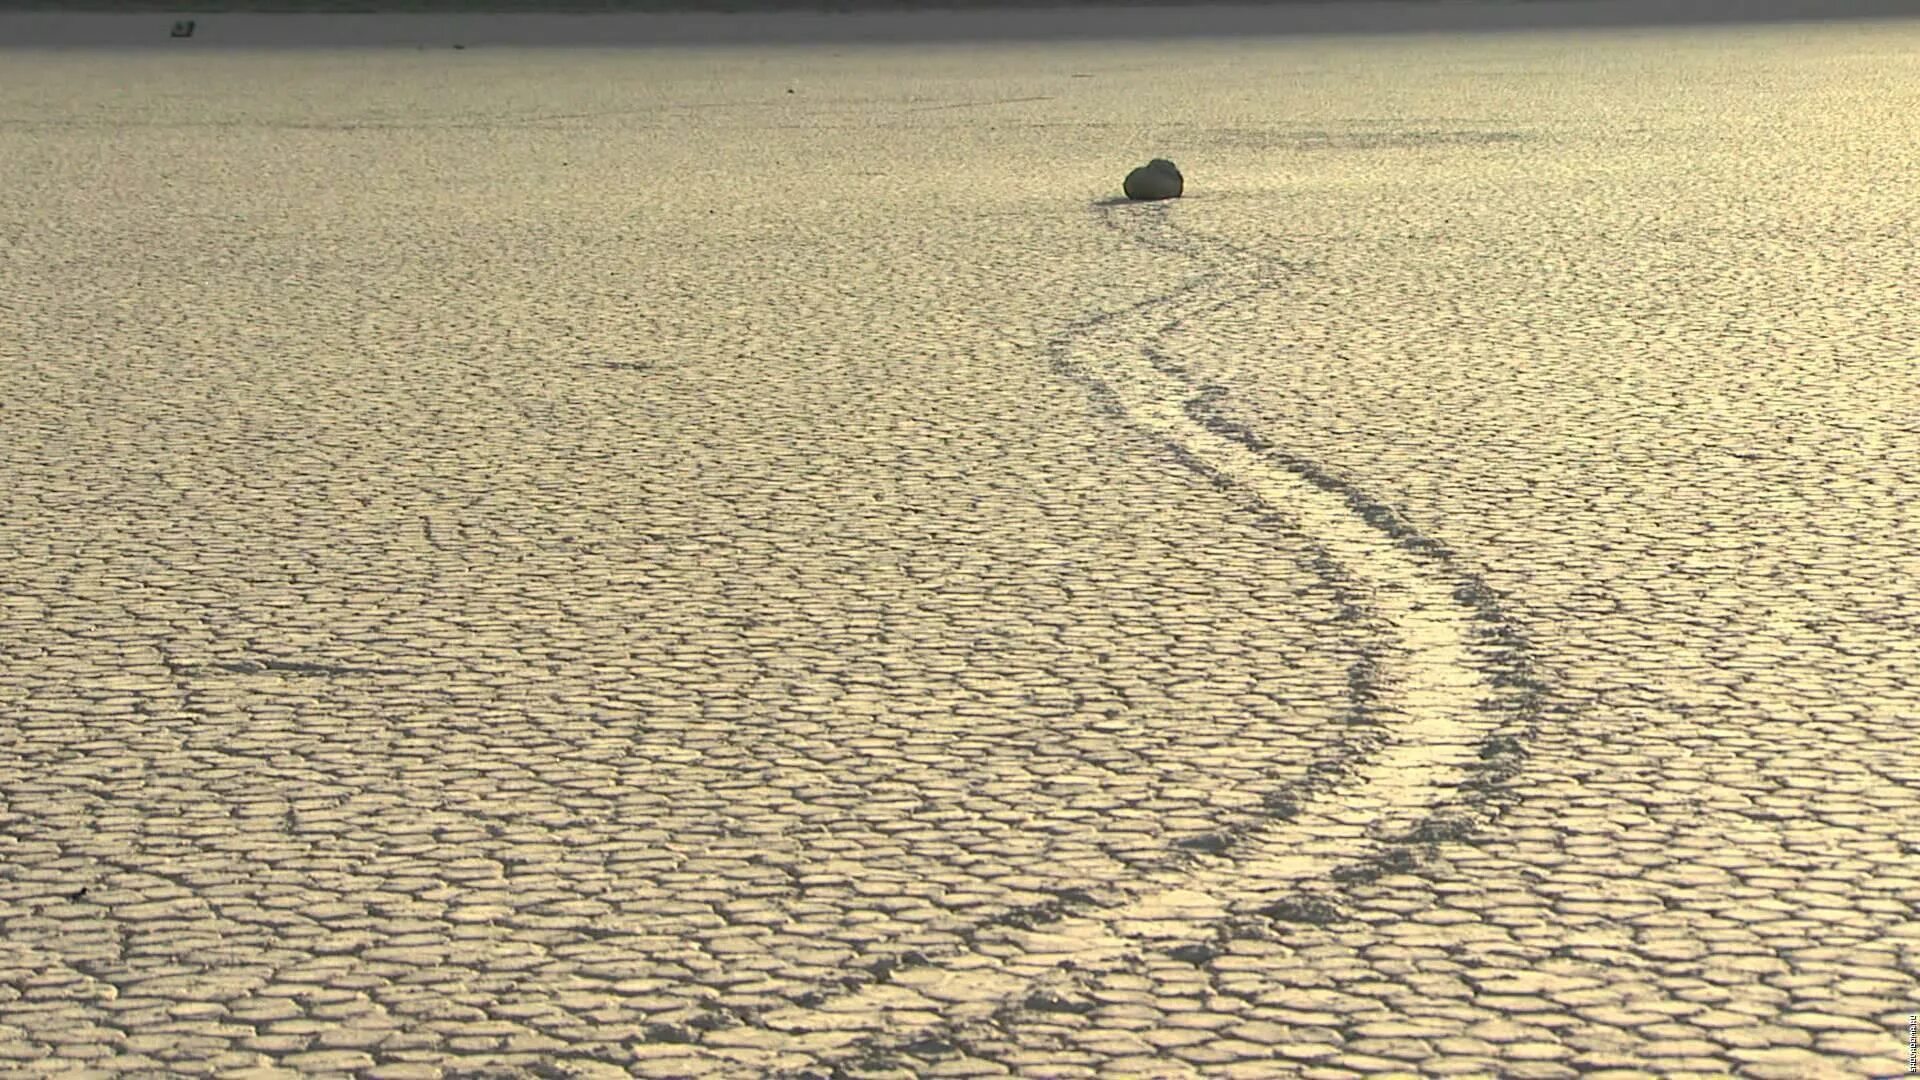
(660, 7)
(1684, 10)
(142, 24)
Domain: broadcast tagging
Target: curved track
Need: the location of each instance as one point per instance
(1450, 703)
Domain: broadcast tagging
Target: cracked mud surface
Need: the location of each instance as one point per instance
(505, 580)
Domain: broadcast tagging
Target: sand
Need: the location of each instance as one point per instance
(748, 560)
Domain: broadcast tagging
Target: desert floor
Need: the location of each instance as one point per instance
(751, 561)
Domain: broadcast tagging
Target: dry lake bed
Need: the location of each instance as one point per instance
(750, 560)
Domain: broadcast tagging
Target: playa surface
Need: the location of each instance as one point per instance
(751, 561)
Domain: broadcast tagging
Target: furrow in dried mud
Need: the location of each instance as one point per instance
(1452, 673)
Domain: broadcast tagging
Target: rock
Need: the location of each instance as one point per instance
(1157, 179)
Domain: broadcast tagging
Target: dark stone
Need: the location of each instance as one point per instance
(183, 28)
(1157, 179)
(929, 1046)
(714, 1020)
(1281, 805)
(1195, 954)
(1311, 910)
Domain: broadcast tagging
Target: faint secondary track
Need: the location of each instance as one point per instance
(1454, 675)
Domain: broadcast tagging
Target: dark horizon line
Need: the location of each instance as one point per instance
(279, 24)
(1732, 10)
(645, 7)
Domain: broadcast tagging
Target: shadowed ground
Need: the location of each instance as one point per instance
(593, 562)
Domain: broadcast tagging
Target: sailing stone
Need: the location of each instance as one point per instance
(1157, 179)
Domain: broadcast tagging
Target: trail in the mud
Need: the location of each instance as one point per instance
(1438, 694)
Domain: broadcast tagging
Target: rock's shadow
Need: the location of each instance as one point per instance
(1122, 200)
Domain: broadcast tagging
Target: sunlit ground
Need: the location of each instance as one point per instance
(750, 561)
